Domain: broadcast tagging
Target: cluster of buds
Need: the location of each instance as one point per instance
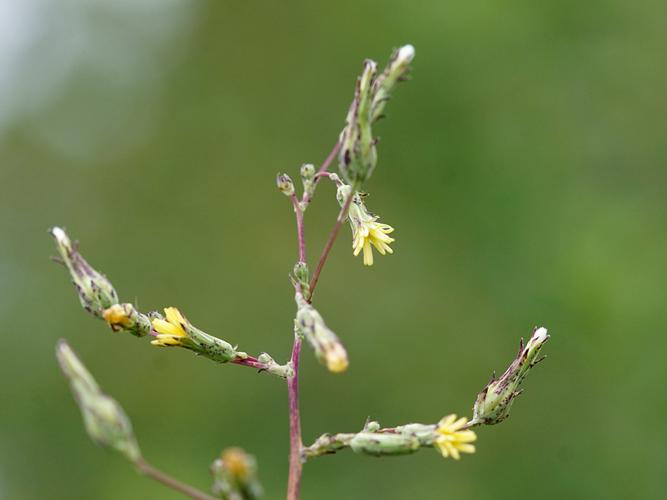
(358, 155)
(494, 402)
(96, 292)
(235, 476)
(327, 346)
(104, 419)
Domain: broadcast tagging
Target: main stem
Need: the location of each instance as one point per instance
(296, 443)
(154, 473)
(295, 463)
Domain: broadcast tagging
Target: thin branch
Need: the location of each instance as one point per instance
(342, 215)
(299, 228)
(154, 473)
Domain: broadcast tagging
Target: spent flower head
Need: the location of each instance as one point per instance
(453, 438)
(104, 419)
(96, 293)
(494, 402)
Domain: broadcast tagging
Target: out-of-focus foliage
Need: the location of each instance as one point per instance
(524, 171)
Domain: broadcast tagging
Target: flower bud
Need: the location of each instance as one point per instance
(494, 402)
(96, 292)
(328, 348)
(235, 476)
(285, 184)
(104, 419)
(124, 317)
(307, 172)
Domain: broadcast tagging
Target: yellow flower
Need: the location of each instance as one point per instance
(117, 317)
(171, 331)
(453, 438)
(367, 232)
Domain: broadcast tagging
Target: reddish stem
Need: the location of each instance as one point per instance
(296, 444)
(251, 362)
(300, 230)
(295, 463)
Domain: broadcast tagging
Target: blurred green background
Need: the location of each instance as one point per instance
(523, 168)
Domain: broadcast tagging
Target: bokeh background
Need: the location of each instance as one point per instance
(523, 168)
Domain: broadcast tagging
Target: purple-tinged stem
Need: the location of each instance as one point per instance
(299, 228)
(295, 463)
(251, 362)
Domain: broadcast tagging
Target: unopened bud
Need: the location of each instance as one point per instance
(104, 419)
(494, 402)
(96, 293)
(307, 171)
(285, 184)
(124, 317)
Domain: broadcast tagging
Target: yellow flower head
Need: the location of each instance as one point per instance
(237, 461)
(453, 438)
(171, 331)
(118, 317)
(367, 232)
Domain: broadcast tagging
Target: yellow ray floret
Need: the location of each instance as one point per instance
(169, 331)
(453, 438)
(367, 233)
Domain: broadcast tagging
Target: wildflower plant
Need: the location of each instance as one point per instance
(234, 473)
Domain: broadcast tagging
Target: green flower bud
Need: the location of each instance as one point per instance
(104, 419)
(494, 402)
(285, 184)
(301, 277)
(96, 292)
